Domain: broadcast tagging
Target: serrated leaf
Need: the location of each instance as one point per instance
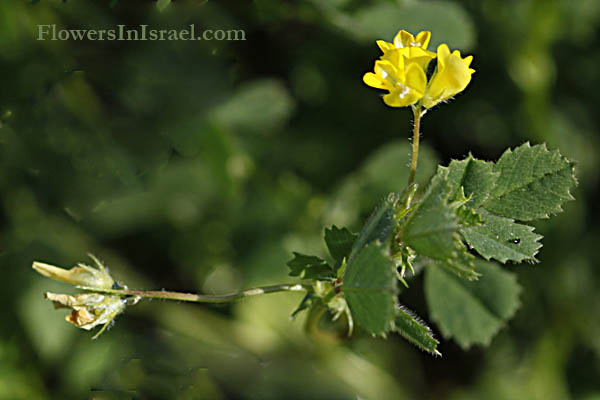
(378, 227)
(503, 239)
(471, 312)
(310, 267)
(339, 242)
(413, 329)
(534, 183)
(476, 177)
(370, 289)
(432, 229)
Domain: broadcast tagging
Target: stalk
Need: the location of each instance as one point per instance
(197, 298)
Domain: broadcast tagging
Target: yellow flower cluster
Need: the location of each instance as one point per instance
(401, 71)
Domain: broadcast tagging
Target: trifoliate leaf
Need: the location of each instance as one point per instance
(310, 267)
(378, 227)
(413, 329)
(533, 183)
(370, 289)
(432, 229)
(339, 242)
(471, 312)
(503, 239)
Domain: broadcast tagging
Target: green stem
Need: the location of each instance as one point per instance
(415, 144)
(198, 298)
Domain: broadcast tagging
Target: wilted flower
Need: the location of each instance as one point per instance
(81, 275)
(89, 309)
(403, 66)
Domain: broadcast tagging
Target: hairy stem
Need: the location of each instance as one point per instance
(198, 298)
(415, 144)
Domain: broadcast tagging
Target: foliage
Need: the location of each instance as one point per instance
(139, 152)
(469, 200)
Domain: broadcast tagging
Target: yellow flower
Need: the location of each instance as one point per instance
(402, 71)
(451, 77)
(81, 275)
(411, 48)
(404, 39)
(406, 86)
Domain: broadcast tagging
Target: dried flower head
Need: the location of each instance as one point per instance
(80, 275)
(88, 310)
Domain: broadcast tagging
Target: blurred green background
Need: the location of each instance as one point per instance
(200, 166)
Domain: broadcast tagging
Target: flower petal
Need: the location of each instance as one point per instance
(416, 80)
(401, 97)
(82, 319)
(81, 275)
(451, 77)
(403, 39)
(423, 39)
(373, 80)
(417, 55)
(385, 46)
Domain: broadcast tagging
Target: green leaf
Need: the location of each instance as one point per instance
(533, 183)
(477, 178)
(432, 229)
(468, 217)
(310, 267)
(370, 290)
(527, 183)
(461, 263)
(471, 312)
(378, 227)
(339, 242)
(503, 239)
(413, 329)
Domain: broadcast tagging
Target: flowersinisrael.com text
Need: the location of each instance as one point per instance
(142, 32)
